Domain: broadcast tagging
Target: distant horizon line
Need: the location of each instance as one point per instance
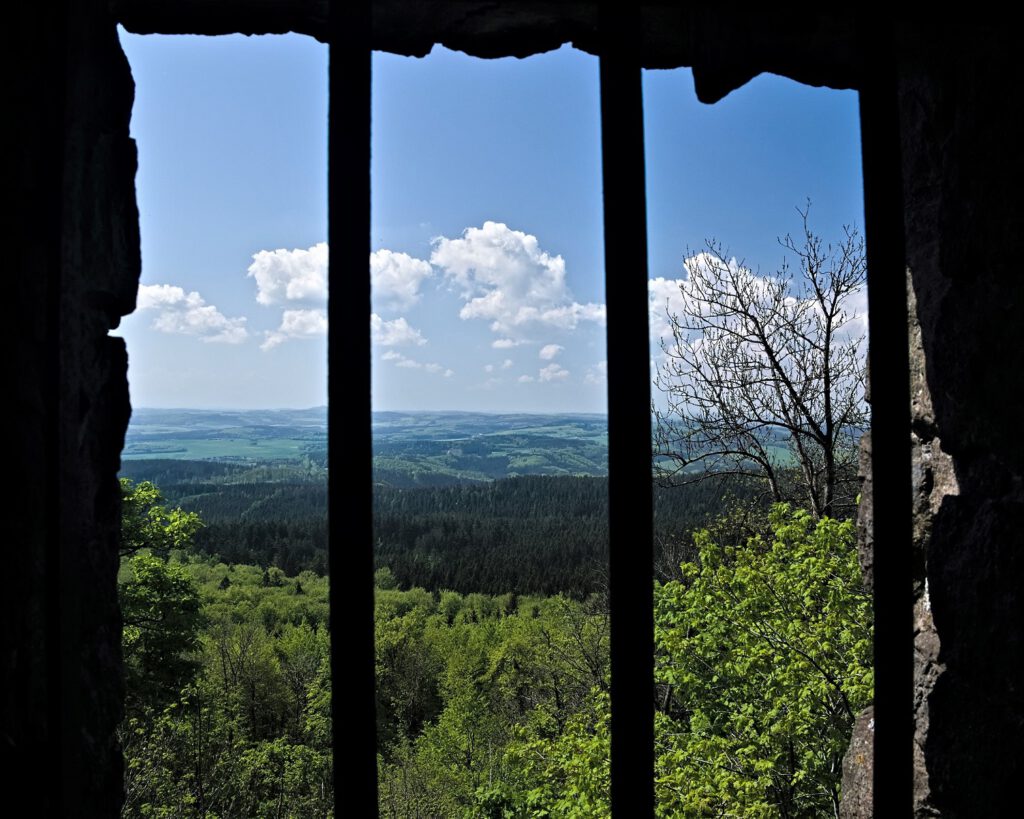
(410, 411)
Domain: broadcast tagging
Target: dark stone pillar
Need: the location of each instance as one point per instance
(962, 176)
(76, 274)
(963, 171)
(100, 269)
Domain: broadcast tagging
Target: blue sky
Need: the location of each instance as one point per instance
(486, 222)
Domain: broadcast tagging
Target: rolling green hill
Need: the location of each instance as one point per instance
(410, 448)
(466, 501)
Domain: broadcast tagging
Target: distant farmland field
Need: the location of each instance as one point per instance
(192, 449)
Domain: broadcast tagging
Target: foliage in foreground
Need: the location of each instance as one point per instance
(497, 706)
(764, 653)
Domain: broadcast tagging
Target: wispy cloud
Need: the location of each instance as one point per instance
(553, 372)
(407, 363)
(188, 314)
(598, 374)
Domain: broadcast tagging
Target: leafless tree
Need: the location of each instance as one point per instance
(764, 376)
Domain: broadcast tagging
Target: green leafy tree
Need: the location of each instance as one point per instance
(563, 766)
(281, 779)
(250, 734)
(160, 604)
(160, 609)
(146, 524)
(764, 659)
(407, 670)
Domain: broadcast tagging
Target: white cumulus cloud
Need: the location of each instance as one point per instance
(549, 351)
(296, 324)
(668, 296)
(394, 333)
(300, 276)
(396, 278)
(553, 372)
(526, 379)
(505, 278)
(312, 323)
(856, 304)
(665, 298)
(290, 276)
(188, 314)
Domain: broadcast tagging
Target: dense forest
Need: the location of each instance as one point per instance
(527, 535)
(491, 705)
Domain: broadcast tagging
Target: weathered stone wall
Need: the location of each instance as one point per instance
(964, 220)
(79, 276)
(934, 479)
(858, 786)
(99, 279)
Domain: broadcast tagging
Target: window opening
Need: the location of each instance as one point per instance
(223, 581)
(883, 207)
(759, 353)
(491, 521)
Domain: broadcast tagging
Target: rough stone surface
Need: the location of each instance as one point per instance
(865, 516)
(933, 480)
(77, 204)
(99, 279)
(963, 292)
(725, 49)
(963, 210)
(858, 790)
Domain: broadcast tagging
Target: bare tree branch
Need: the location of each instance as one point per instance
(764, 375)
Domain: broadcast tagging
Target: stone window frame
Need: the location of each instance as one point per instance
(626, 37)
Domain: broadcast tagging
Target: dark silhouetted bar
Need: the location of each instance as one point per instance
(889, 368)
(350, 478)
(629, 416)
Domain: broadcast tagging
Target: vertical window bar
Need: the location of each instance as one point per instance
(629, 415)
(889, 368)
(350, 446)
